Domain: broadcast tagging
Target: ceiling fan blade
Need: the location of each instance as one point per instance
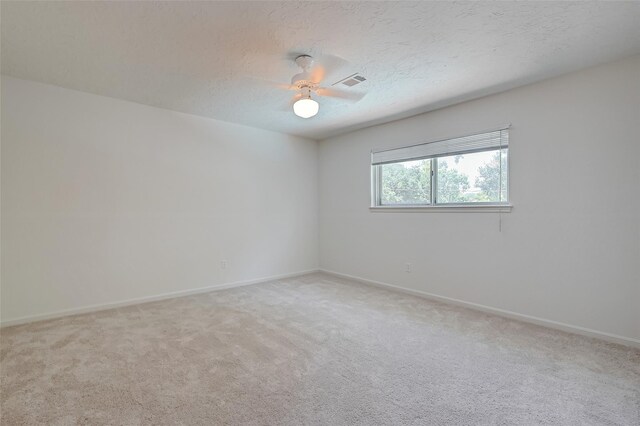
(275, 84)
(289, 106)
(341, 94)
(326, 65)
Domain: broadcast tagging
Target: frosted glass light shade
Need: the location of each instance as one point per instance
(306, 108)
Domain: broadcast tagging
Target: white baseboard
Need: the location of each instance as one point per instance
(627, 341)
(146, 299)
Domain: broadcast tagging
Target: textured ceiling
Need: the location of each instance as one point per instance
(200, 57)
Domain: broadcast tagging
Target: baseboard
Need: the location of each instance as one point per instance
(613, 338)
(146, 299)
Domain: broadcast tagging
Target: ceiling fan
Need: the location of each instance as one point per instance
(309, 82)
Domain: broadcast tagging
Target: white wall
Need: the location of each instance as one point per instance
(105, 200)
(568, 252)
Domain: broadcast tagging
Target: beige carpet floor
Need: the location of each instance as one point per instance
(314, 350)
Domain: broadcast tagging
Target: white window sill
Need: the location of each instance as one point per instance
(484, 208)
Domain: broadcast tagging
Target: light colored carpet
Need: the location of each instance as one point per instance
(310, 350)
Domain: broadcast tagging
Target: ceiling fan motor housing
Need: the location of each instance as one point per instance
(303, 80)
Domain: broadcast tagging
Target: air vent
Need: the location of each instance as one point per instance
(350, 81)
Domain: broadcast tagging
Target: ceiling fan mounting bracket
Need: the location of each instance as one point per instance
(305, 62)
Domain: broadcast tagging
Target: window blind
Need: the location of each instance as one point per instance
(480, 142)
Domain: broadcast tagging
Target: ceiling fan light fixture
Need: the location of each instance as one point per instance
(306, 107)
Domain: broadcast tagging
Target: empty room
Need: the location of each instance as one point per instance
(320, 213)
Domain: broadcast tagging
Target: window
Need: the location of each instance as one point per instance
(467, 171)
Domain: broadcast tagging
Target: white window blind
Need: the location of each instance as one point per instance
(480, 142)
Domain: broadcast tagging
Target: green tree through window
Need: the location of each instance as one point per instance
(490, 181)
(406, 183)
(465, 178)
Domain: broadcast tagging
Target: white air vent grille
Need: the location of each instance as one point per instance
(350, 81)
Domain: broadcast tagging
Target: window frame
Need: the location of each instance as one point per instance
(433, 205)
